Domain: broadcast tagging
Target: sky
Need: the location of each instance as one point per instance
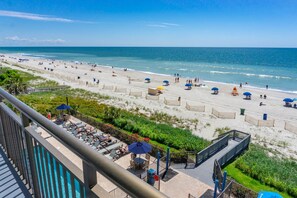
(190, 23)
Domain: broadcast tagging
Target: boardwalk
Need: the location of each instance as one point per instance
(205, 170)
(10, 183)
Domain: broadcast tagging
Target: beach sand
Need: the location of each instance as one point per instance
(275, 137)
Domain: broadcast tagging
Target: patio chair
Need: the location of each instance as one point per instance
(132, 164)
(146, 164)
(147, 156)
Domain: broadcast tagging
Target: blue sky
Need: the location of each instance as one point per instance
(201, 23)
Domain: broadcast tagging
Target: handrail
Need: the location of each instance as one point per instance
(118, 175)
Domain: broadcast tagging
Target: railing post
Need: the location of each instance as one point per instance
(224, 180)
(158, 162)
(215, 188)
(2, 136)
(30, 152)
(90, 177)
(167, 158)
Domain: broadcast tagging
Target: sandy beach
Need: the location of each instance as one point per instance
(276, 137)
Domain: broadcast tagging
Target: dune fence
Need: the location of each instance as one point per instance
(107, 87)
(172, 102)
(258, 122)
(120, 90)
(151, 97)
(223, 115)
(290, 127)
(198, 108)
(135, 93)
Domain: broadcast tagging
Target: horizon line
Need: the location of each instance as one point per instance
(124, 46)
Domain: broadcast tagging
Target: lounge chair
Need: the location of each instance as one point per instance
(95, 145)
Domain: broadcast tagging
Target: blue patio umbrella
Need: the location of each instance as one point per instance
(188, 85)
(264, 194)
(140, 147)
(165, 81)
(215, 89)
(147, 79)
(247, 94)
(63, 107)
(287, 100)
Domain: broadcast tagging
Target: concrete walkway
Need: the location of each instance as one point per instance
(10, 183)
(205, 170)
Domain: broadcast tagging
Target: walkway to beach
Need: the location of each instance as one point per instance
(10, 183)
(204, 172)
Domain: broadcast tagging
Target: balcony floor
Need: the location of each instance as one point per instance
(10, 183)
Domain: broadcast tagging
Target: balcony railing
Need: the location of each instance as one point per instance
(48, 173)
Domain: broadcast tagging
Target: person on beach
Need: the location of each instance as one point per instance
(266, 86)
(261, 96)
(265, 96)
(98, 82)
(179, 98)
(87, 83)
(240, 85)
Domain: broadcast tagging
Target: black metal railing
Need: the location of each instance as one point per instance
(244, 141)
(211, 150)
(45, 170)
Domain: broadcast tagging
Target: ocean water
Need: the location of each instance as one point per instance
(276, 67)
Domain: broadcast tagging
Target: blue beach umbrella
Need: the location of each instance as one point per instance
(63, 107)
(247, 94)
(165, 81)
(215, 89)
(287, 100)
(147, 79)
(140, 147)
(264, 194)
(188, 85)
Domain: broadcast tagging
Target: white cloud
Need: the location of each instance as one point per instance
(34, 40)
(163, 25)
(37, 17)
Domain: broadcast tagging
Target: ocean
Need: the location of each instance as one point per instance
(275, 67)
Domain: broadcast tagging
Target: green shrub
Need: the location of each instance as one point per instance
(272, 171)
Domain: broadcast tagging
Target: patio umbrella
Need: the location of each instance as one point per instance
(147, 79)
(188, 85)
(165, 81)
(215, 89)
(139, 147)
(160, 88)
(247, 94)
(264, 194)
(287, 100)
(63, 107)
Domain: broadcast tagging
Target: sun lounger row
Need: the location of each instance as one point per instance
(96, 139)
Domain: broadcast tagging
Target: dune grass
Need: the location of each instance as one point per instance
(249, 182)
